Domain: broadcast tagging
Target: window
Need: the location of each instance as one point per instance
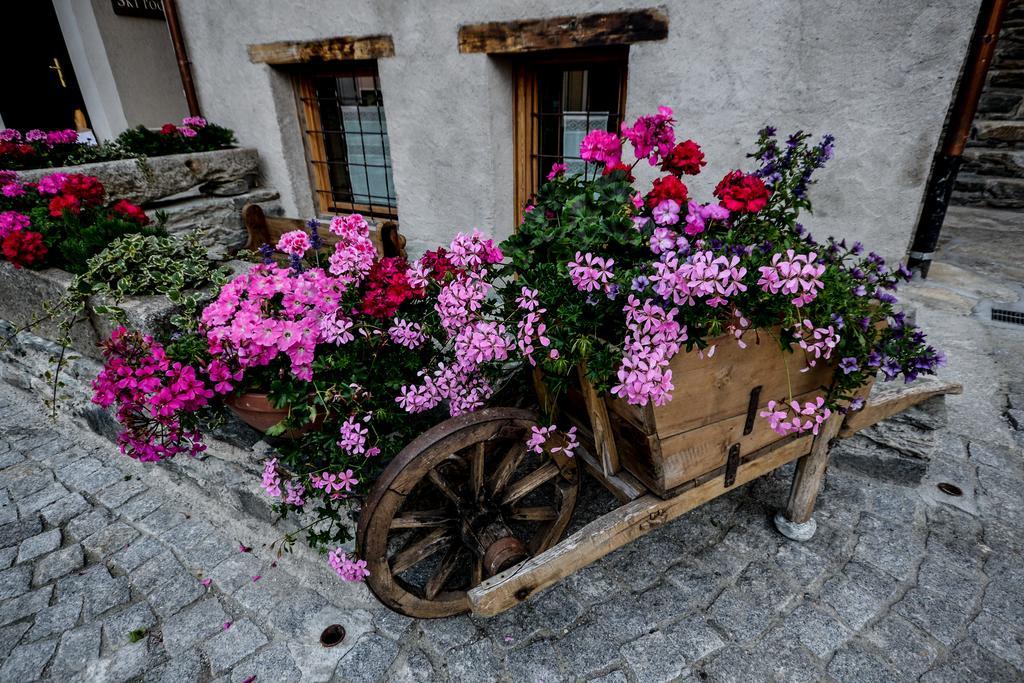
(559, 99)
(347, 141)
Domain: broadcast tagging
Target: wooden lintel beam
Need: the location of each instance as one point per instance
(338, 49)
(555, 33)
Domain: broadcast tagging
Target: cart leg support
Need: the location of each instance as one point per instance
(797, 522)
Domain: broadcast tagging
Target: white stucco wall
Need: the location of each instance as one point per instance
(879, 75)
(125, 67)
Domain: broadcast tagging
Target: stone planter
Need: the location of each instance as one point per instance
(23, 293)
(205, 190)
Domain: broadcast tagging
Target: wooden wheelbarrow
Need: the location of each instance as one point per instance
(467, 518)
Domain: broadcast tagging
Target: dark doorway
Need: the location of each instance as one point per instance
(40, 88)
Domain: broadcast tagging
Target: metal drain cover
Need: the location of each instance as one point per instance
(1001, 314)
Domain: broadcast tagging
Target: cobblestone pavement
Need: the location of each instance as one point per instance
(105, 576)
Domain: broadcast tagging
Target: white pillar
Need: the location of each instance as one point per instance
(92, 67)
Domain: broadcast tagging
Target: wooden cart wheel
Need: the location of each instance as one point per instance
(462, 502)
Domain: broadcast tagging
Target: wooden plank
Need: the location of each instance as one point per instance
(337, 49)
(419, 519)
(888, 399)
(525, 141)
(708, 390)
(444, 487)
(315, 144)
(810, 473)
(531, 481)
(263, 229)
(449, 562)
(534, 513)
(690, 454)
(507, 467)
(420, 549)
(612, 531)
(601, 428)
(476, 470)
(555, 33)
(622, 485)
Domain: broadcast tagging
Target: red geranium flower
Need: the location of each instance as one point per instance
(24, 248)
(742, 192)
(387, 288)
(168, 129)
(131, 212)
(438, 264)
(686, 157)
(668, 187)
(64, 202)
(88, 189)
(611, 168)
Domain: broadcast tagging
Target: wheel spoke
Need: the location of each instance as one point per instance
(444, 487)
(478, 572)
(419, 519)
(449, 562)
(419, 550)
(538, 513)
(531, 481)
(507, 467)
(476, 471)
(549, 534)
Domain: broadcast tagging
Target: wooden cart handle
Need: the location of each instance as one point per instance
(888, 399)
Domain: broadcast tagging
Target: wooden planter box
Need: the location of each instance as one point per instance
(713, 419)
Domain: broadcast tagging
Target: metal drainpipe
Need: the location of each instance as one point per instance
(947, 162)
(184, 66)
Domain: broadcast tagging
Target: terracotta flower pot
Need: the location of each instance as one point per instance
(256, 410)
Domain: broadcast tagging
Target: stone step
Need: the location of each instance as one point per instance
(992, 191)
(998, 132)
(1003, 163)
(983, 218)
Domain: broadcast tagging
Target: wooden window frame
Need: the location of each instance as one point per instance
(313, 140)
(526, 136)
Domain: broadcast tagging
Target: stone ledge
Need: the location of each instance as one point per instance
(23, 293)
(148, 179)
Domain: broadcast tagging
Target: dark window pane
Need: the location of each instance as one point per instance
(572, 101)
(355, 139)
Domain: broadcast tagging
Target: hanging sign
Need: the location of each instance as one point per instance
(151, 9)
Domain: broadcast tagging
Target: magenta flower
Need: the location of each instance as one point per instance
(346, 480)
(347, 568)
(353, 436)
(294, 243)
(600, 146)
(556, 170)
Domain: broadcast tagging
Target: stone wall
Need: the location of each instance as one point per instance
(992, 174)
(205, 190)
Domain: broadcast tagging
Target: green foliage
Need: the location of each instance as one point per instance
(360, 378)
(142, 141)
(138, 265)
(147, 264)
(74, 239)
(573, 214)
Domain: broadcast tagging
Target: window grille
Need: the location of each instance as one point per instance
(558, 101)
(347, 137)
